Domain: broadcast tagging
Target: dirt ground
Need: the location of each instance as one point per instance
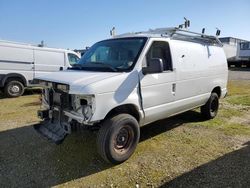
(182, 151)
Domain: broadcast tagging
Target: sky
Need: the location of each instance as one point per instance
(76, 24)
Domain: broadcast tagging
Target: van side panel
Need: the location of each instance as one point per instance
(17, 60)
(48, 61)
(190, 60)
(199, 69)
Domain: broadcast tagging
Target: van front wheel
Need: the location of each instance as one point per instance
(210, 109)
(118, 138)
(13, 88)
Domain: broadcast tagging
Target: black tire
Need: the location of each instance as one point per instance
(13, 88)
(210, 109)
(118, 138)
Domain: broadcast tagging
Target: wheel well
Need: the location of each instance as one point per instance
(127, 108)
(217, 90)
(17, 78)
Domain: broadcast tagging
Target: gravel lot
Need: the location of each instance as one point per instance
(239, 74)
(182, 151)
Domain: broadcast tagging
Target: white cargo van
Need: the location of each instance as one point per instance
(132, 80)
(20, 63)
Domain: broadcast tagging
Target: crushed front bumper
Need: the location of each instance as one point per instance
(57, 124)
(52, 131)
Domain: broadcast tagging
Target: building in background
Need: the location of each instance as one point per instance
(233, 50)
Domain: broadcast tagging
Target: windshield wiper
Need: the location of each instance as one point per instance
(76, 66)
(93, 66)
(105, 65)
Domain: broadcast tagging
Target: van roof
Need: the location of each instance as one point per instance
(30, 46)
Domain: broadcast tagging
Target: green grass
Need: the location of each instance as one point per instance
(168, 154)
(232, 108)
(19, 111)
(241, 87)
(239, 100)
(168, 148)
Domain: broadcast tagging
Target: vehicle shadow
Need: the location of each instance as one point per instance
(27, 159)
(27, 92)
(164, 125)
(230, 170)
(32, 91)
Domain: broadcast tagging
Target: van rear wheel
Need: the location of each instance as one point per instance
(118, 138)
(210, 109)
(13, 88)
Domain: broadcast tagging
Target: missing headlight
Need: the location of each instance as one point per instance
(83, 105)
(83, 102)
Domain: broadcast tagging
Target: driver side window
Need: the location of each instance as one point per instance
(160, 49)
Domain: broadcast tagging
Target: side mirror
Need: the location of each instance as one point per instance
(155, 65)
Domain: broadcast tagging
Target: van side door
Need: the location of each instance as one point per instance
(158, 89)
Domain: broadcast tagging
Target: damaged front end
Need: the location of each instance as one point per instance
(61, 112)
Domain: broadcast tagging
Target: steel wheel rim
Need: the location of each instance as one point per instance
(123, 140)
(14, 89)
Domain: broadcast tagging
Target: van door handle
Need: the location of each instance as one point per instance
(173, 88)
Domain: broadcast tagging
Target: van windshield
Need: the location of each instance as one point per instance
(114, 55)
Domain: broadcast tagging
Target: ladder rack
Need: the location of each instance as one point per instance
(178, 34)
(183, 34)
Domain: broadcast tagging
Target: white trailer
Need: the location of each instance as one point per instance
(20, 63)
(244, 53)
(232, 48)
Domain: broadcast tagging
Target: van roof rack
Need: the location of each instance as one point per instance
(183, 34)
(179, 34)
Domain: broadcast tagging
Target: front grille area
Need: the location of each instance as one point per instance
(60, 99)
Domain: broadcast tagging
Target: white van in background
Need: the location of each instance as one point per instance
(20, 63)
